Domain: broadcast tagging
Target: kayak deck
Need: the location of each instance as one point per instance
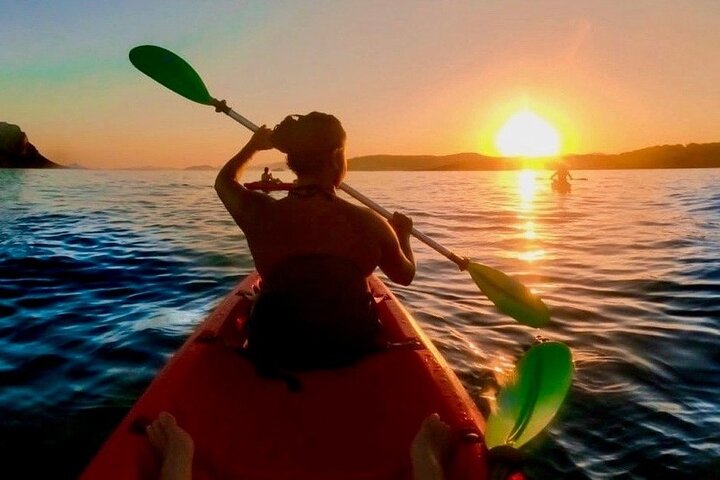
(348, 423)
(268, 186)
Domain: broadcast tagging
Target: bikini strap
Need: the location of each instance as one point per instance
(306, 191)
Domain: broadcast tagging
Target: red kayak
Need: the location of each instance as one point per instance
(268, 186)
(351, 423)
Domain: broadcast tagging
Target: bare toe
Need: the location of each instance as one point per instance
(166, 422)
(430, 448)
(157, 436)
(179, 441)
(438, 434)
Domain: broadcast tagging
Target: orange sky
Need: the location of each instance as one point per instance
(405, 77)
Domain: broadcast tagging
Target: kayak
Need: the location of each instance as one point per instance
(561, 187)
(353, 422)
(268, 186)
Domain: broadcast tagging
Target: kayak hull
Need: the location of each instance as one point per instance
(268, 186)
(561, 187)
(355, 422)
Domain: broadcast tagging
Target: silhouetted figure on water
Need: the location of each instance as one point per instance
(561, 175)
(559, 180)
(268, 177)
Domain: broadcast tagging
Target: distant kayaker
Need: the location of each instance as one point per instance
(561, 174)
(268, 177)
(313, 250)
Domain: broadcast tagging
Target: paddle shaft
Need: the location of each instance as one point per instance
(459, 261)
(508, 294)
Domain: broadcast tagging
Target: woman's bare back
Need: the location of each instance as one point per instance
(315, 225)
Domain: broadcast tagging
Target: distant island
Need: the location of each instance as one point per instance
(201, 168)
(16, 151)
(693, 155)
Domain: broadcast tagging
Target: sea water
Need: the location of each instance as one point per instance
(104, 273)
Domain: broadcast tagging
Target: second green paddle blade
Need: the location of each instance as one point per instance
(170, 70)
(510, 296)
(527, 404)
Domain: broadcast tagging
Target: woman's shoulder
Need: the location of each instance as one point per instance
(363, 214)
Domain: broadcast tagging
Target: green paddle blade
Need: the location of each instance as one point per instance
(510, 296)
(527, 404)
(166, 68)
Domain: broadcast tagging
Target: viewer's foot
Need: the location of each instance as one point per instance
(174, 445)
(430, 448)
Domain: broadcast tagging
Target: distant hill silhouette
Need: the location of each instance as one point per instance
(458, 161)
(201, 168)
(16, 151)
(693, 155)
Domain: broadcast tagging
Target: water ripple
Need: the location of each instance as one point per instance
(103, 274)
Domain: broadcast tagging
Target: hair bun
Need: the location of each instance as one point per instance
(314, 132)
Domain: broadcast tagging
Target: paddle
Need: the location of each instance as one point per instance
(538, 388)
(508, 294)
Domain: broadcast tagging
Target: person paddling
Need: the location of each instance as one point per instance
(268, 177)
(561, 174)
(313, 250)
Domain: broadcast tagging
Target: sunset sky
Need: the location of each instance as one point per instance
(404, 77)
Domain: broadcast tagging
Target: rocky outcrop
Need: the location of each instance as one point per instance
(16, 151)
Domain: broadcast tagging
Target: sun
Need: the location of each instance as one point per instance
(526, 134)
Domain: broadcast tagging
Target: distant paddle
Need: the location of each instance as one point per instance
(508, 294)
(538, 388)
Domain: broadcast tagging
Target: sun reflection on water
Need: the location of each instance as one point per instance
(527, 188)
(529, 232)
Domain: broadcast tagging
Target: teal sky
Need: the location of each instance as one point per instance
(415, 77)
